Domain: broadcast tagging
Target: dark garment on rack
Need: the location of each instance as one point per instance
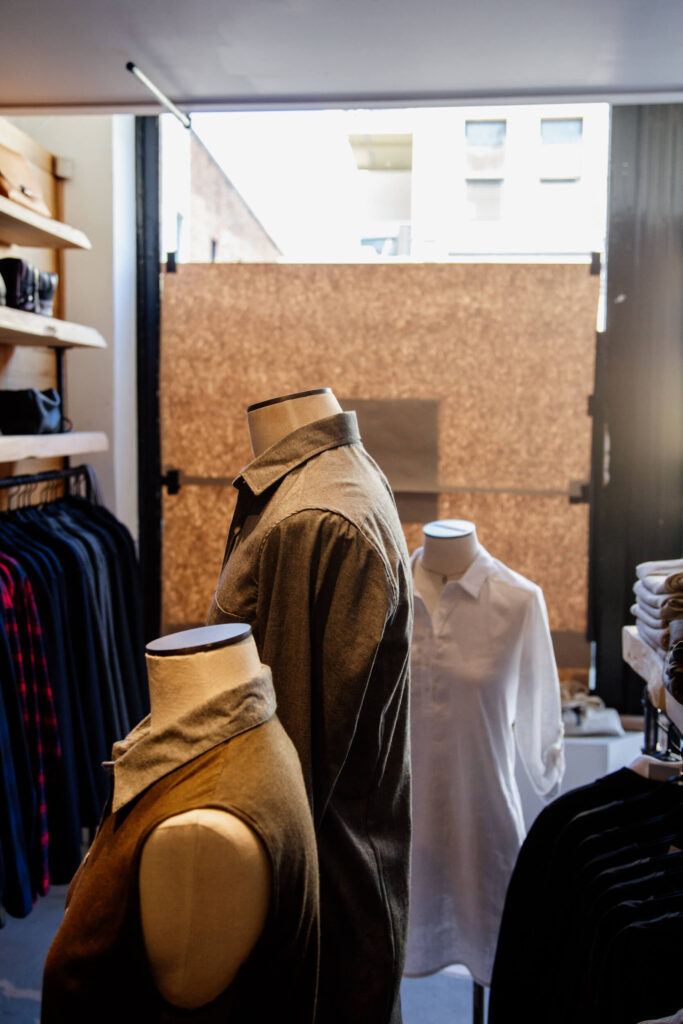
(63, 803)
(37, 707)
(69, 605)
(15, 877)
(87, 650)
(615, 834)
(595, 922)
(640, 977)
(70, 615)
(537, 900)
(125, 601)
(107, 665)
(18, 902)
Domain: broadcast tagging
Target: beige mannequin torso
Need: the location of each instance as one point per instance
(204, 875)
(449, 546)
(272, 420)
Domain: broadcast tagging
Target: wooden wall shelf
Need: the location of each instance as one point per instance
(20, 328)
(21, 226)
(14, 447)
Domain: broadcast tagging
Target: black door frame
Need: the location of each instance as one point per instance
(148, 350)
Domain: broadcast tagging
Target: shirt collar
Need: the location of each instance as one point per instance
(472, 580)
(301, 445)
(144, 757)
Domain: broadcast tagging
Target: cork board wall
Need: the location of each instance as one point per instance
(505, 350)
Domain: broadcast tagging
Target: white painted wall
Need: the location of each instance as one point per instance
(99, 290)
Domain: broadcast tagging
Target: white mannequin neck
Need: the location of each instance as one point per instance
(270, 421)
(449, 546)
(192, 669)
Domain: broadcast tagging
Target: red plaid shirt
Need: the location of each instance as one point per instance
(35, 692)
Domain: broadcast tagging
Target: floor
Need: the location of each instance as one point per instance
(443, 998)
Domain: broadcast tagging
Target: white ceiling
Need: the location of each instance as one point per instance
(236, 54)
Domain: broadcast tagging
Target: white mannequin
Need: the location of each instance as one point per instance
(449, 546)
(204, 875)
(272, 420)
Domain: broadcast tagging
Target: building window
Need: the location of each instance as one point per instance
(484, 198)
(566, 131)
(485, 151)
(383, 245)
(561, 148)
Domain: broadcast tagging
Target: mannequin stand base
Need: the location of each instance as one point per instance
(477, 1003)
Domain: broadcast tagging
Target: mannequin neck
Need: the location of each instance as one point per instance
(270, 421)
(180, 682)
(450, 551)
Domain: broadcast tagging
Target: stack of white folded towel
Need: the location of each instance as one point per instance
(659, 600)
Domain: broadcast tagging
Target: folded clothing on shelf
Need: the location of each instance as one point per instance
(666, 606)
(27, 287)
(652, 617)
(658, 639)
(663, 576)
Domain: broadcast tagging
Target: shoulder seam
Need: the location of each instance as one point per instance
(327, 510)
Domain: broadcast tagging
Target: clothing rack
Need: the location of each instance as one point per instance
(83, 473)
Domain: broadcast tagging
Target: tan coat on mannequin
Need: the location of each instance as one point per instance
(204, 875)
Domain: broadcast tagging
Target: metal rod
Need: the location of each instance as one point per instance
(188, 480)
(51, 474)
(61, 391)
(156, 91)
(477, 1003)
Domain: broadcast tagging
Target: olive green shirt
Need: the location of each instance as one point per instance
(316, 563)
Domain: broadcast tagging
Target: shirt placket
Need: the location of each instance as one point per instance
(245, 499)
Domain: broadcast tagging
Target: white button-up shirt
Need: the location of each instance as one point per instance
(483, 676)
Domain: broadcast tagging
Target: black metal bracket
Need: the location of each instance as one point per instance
(171, 481)
(579, 492)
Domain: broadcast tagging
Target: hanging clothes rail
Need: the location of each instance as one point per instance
(85, 473)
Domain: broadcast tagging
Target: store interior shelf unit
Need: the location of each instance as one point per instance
(14, 447)
(18, 327)
(21, 226)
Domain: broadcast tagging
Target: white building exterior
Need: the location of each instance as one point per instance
(489, 181)
(428, 183)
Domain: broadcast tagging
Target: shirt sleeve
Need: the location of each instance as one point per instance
(324, 598)
(538, 723)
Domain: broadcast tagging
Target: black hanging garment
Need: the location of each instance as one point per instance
(72, 682)
(592, 929)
